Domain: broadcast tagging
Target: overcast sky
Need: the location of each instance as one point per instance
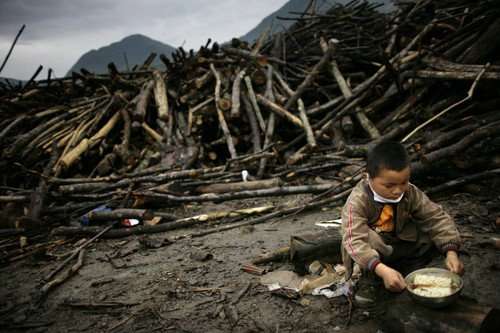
(58, 32)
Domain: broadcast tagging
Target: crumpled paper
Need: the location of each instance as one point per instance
(329, 283)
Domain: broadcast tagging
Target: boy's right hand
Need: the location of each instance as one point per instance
(393, 280)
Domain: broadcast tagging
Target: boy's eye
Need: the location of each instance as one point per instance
(394, 185)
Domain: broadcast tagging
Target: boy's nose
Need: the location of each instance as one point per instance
(397, 192)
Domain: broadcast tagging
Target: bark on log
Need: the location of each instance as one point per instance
(252, 119)
(150, 229)
(111, 104)
(11, 126)
(235, 97)
(274, 191)
(139, 113)
(245, 159)
(448, 137)
(152, 133)
(46, 288)
(249, 55)
(160, 94)
(260, 41)
(238, 186)
(463, 180)
(309, 78)
(367, 124)
(253, 100)
(72, 156)
(311, 140)
(298, 156)
(402, 109)
(448, 66)
(203, 80)
(222, 120)
(38, 197)
(466, 142)
(336, 199)
(269, 131)
(347, 126)
(123, 149)
(128, 213)
(362, 150)
(26, 138)
(428, 74)
(334, 67)
(282, 112)
(338, 137)
(14, 198)
(325, 107)
(469, 96)
(11, 232)
(152, 176)
(483, 49)
(4, 62)
(307, 126)
(282, 83)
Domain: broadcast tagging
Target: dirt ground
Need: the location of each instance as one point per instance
(171, 289)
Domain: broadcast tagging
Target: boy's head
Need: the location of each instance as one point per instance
(388, 166)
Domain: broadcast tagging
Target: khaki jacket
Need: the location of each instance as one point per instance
(416, 218)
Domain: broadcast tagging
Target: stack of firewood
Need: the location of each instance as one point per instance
(294, 113)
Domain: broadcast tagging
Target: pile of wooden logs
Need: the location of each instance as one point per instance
(294, 113)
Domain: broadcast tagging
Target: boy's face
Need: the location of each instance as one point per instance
(391, 184)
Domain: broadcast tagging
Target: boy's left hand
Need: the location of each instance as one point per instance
(453, 263)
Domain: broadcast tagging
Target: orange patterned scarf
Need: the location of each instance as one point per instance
(385, 222)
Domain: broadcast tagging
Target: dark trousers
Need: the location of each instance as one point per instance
(408, 256)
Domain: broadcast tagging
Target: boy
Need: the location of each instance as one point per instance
(389, 226)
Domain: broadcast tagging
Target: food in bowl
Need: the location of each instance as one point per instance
(423, 290)
(428, 285)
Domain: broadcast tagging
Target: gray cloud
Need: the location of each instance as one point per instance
(59, 31)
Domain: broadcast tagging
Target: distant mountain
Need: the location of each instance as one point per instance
(136, 48)
(13, 82)
(297, 6)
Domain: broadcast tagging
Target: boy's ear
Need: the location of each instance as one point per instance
(366, 176)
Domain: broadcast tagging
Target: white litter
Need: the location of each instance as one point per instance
(244, 175)
(330, 223)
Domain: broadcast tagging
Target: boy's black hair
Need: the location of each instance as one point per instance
(386, 155)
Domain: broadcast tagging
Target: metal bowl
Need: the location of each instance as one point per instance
(435, 302)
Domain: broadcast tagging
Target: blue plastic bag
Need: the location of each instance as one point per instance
(84, 220)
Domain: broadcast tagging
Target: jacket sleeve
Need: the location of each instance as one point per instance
(434, 221)
(355, 231)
